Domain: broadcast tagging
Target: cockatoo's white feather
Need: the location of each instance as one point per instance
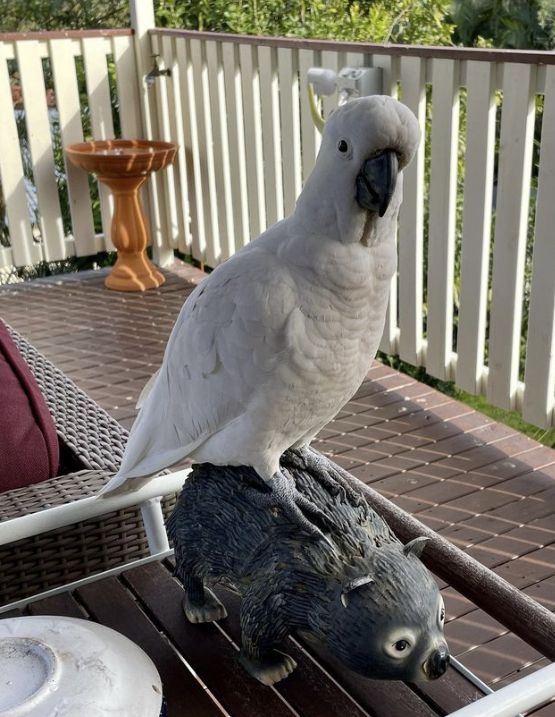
(270, 345)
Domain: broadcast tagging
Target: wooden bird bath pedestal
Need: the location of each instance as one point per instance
(124, 165)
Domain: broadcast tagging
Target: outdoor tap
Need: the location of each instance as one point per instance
(156, 72)
(349, 83)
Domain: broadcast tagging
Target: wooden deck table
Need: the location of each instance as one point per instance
(197, 663)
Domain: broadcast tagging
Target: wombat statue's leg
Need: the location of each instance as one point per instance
(268, 667)
(200, 604)
(261, 632)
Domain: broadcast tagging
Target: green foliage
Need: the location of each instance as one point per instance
(18, 16)
(59, 170)
(397, 21)
(546, 18)
(504, 23)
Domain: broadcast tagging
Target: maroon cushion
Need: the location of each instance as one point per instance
(29, 451)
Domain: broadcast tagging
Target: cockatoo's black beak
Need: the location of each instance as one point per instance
(376, 182)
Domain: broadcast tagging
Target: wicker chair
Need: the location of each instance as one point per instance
(91, 447)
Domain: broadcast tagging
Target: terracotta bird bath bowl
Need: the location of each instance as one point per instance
(124, 165)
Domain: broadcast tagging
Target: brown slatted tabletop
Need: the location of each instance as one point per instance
(198, 666)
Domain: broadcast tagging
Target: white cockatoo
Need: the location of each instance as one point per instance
(269, 347)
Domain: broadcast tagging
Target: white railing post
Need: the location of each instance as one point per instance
(142, 20)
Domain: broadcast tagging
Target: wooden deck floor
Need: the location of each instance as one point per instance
(487, 488)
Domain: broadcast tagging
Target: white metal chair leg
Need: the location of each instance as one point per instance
(155, 529)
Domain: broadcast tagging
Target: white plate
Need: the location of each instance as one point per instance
(67, 667)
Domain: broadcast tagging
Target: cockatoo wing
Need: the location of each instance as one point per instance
(147, 388)
(224, 344)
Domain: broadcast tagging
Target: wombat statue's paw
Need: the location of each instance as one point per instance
(210, 610)
(269, 670)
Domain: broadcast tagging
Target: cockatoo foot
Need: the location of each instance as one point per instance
(324, 471)
(285, 496)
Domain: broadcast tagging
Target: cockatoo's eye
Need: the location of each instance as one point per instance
(343, 146)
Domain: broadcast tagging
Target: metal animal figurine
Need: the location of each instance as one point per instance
(363, 594)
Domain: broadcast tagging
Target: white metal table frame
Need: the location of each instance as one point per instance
(148, 498)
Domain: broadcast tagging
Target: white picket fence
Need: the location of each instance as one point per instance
(473, 284)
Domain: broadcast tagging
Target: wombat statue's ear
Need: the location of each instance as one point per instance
(353, 585)
(415, 547)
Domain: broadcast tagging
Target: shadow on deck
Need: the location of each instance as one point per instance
(483, 486)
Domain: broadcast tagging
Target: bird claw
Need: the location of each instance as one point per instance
(323, 470)
(301, 511)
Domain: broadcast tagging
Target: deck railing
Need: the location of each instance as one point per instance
(474, 300)
(475, 297)
(74, 85)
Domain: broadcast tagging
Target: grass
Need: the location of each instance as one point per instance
(509, 418)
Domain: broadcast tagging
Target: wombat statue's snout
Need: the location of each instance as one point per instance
(437, 663)
(367, 598)
(391, 626)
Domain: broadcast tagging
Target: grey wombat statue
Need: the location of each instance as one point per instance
(368, 598)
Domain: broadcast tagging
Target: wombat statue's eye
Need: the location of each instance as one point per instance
(441, 615)
(399, 646)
